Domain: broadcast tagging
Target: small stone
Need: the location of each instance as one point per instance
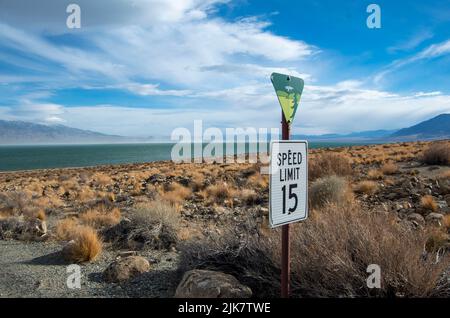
(211, 284)
(126, 268)
(417, 218)
(434, 218)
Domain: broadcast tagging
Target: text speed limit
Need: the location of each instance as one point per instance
(288, 182)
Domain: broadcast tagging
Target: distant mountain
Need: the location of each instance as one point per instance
(19, 132)
(355, 136)
(437, 127)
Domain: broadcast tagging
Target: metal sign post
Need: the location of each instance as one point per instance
(285, 239)
(289, 172)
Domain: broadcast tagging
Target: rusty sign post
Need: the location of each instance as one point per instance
(285, 239)
(288, 172)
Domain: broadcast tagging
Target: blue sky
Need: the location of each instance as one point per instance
(141, 68)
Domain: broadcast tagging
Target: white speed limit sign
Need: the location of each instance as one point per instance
(288, 181)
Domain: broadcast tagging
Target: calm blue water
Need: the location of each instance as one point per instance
(14, 158)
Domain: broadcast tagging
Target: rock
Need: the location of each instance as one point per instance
(434, 218)
(442, 205)
(417, 218)
(126, 268)
(210, 284)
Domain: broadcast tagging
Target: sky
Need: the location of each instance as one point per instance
(144, 68)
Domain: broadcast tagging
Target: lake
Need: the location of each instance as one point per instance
(14, 158)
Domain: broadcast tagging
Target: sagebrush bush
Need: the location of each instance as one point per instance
(100, 217)
(153, 225)
(331, 189)
(330, 254)
(437, 154)
(327, 164)
(366, 187)
(389, 168)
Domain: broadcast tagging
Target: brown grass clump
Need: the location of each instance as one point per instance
(153, 225)
(437, 240)
(389, 168)
(331, 252)
(86, 194)
(375, 174)
(445, 175)
(219, 193)
(258, 181)
(249, 196)
(366, 187)
(177, 194)
(100, 217)
(437, 154)
(327, 164)
(332, 189)
(446, 221)
(428, 203)
(65, 229)
(102, 179)
(85, 247)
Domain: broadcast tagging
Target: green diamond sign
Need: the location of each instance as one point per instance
(289, 91)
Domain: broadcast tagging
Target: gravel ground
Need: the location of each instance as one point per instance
(36, 269)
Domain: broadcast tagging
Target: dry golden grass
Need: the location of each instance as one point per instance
(65, 229)
(389, 168)
(446, 221)
(428, 203)
(258, 181)
(437, 240)
(100, 217)
(177, 194)
(327, 164)
(219, 193)
(101, 179)
(330, 256)
(86, 194)
(437, 154)
(330, 189)
(445, 175)
(197, 181)
(248, 196)
(366, 187)
(374, 174)
(157, 212)
(86, 245)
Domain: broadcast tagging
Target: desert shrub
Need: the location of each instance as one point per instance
(65, 229)
(446, 221)
(427, 202)
(14, 203)
(177, 194)
(219, 193)
(332, 189)
(437, 154)
(436, 240)
(153, 225)
(85, 246)
(389, 168)
(258, 181)
(366, 187)
(249, 196)
(100, 217)
(330, 255)
(102, 179)
(375, 174)
(327, 164)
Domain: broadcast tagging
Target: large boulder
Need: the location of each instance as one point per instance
(126, 268)
(210, 284)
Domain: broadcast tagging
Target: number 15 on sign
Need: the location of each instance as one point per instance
(288, 182)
